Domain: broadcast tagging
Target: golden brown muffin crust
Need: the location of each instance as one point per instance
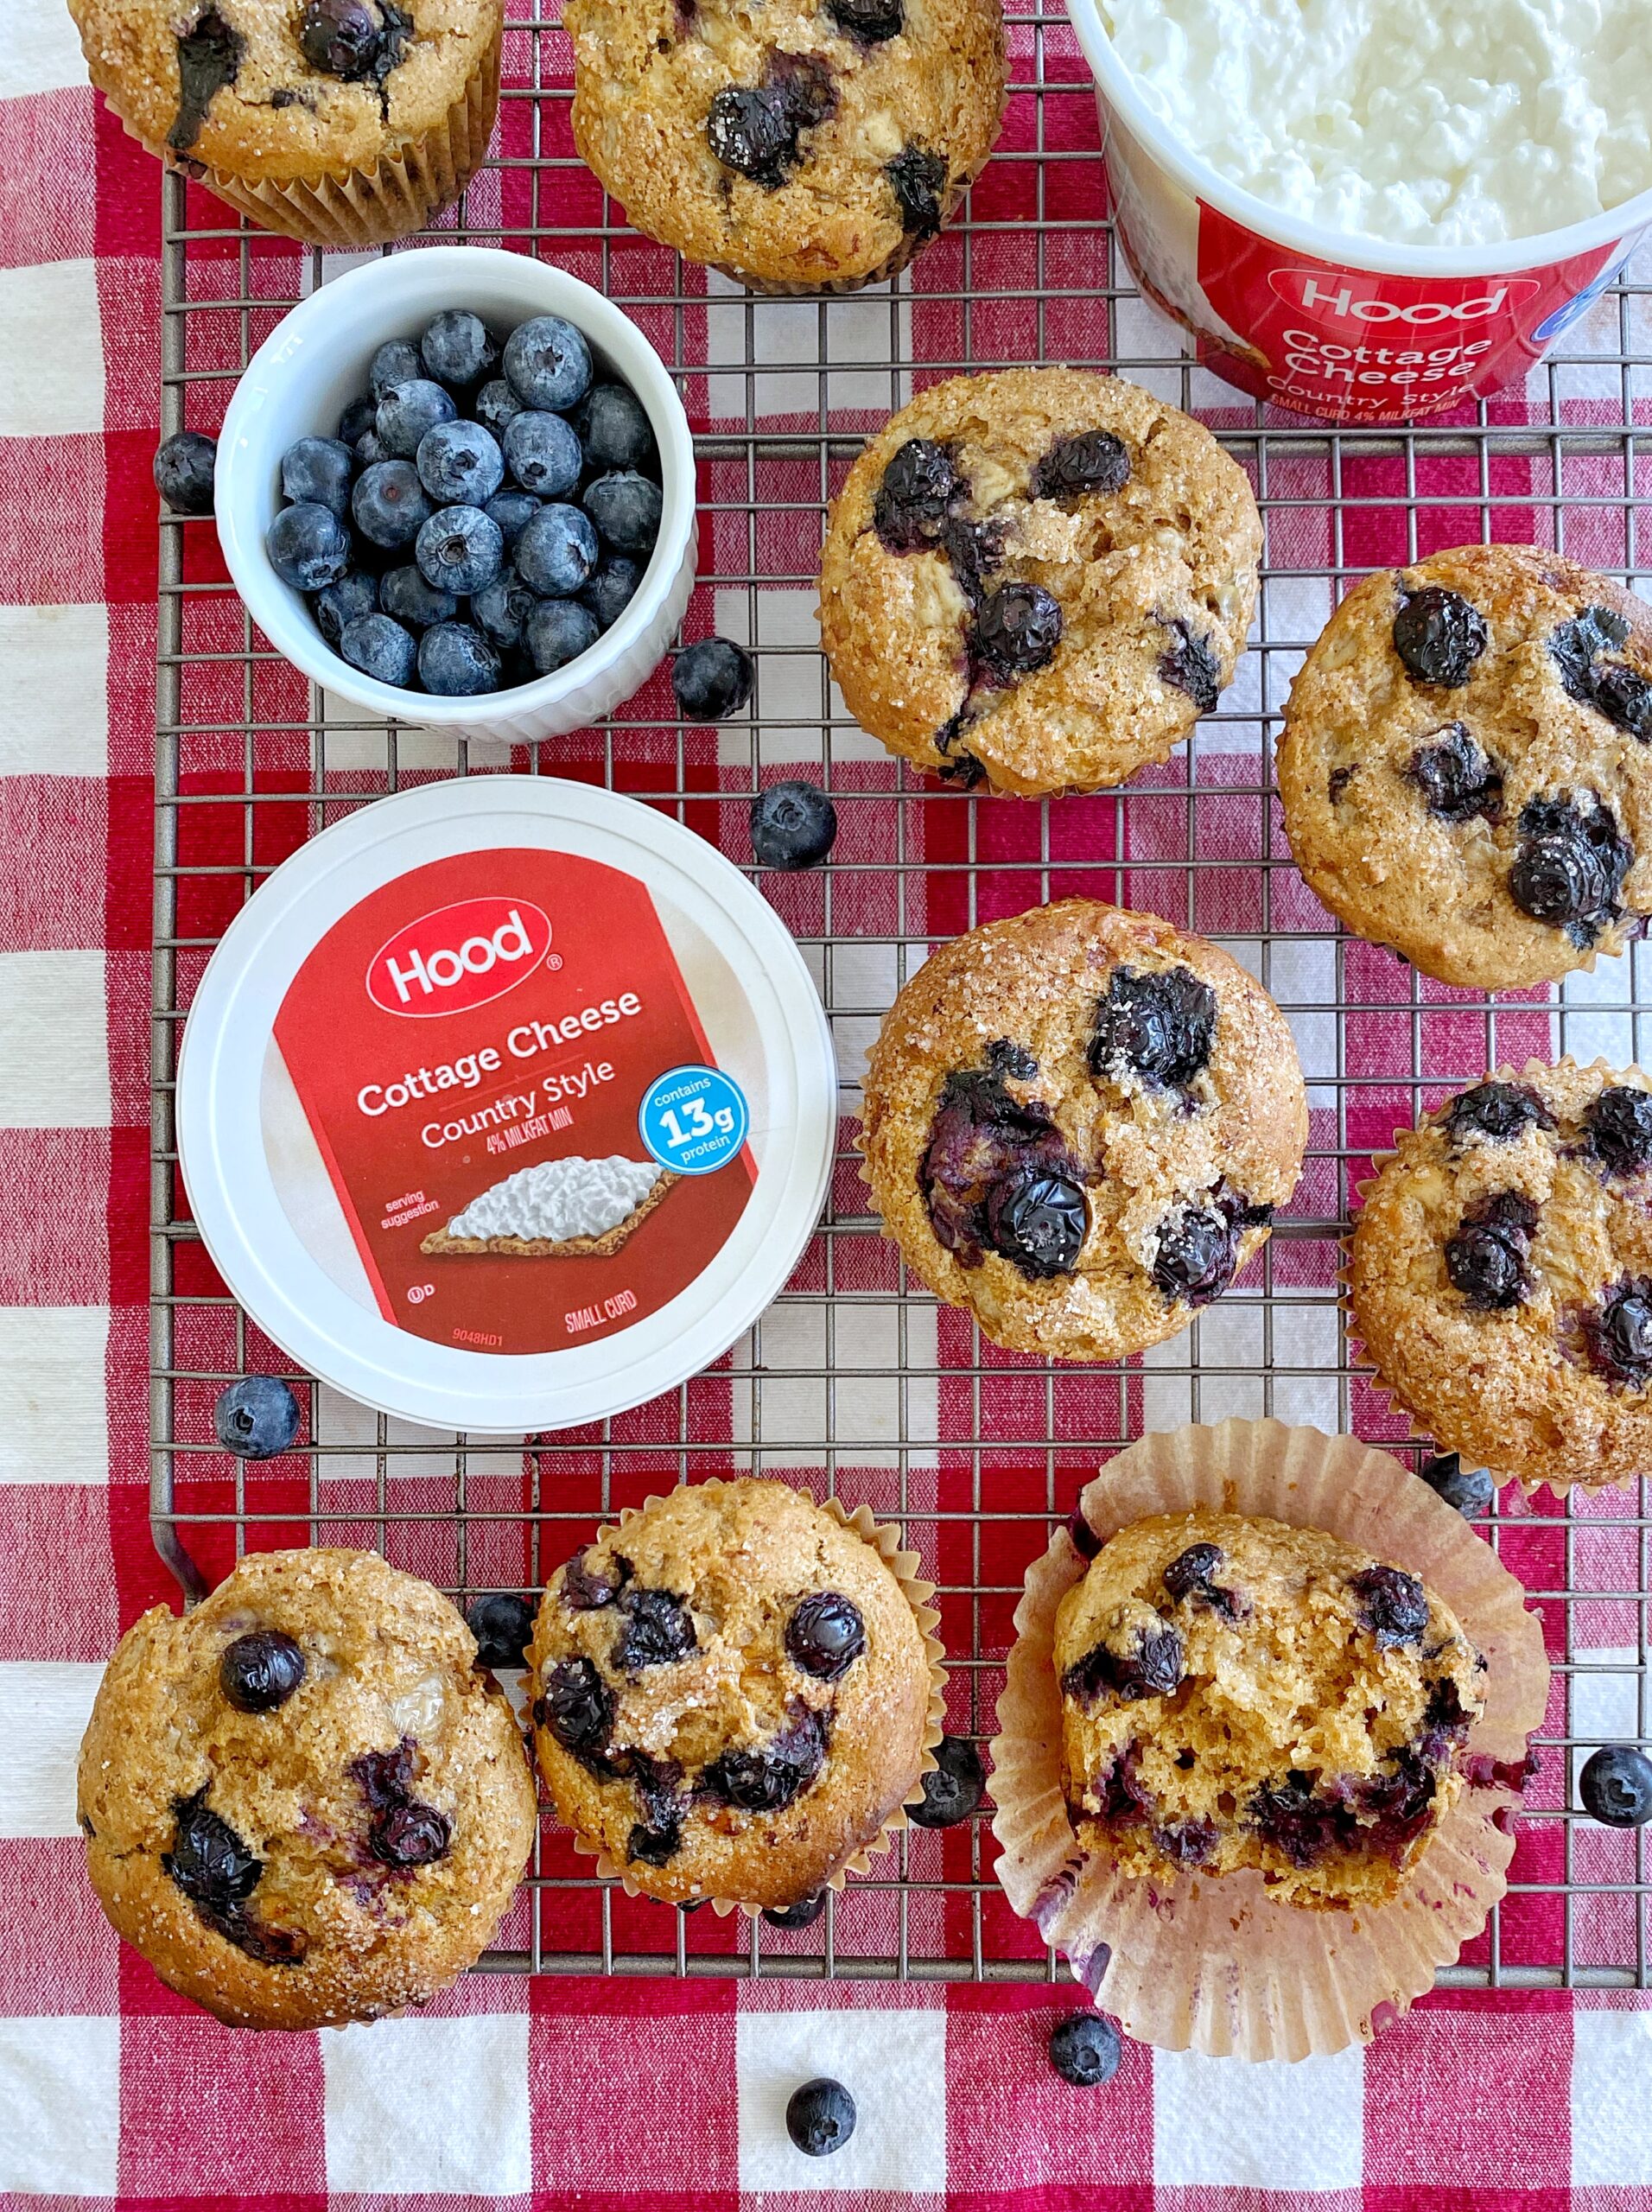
(389, 1669)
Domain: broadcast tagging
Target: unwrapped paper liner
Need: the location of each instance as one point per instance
(903, 1565)
(1215, 1963)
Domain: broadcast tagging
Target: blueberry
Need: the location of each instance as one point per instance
(1189, 1573)
(208, 1861)
(825, 1635)
(543, 453)
(395, 362)
(501, 609)
(625, 508)
(1618, 1129)
(1038, 1220)
(348, 39)
(368, 450)
(1085, 2049)
(1152, 1666)
(183, 472)
(455, 661)
(577, 1706)
(318, 469)
(410, 1834)
(588, 1586)
(1486, 1259)
(615, 431)
(388, 504)
(358, 418)
(820, 2118)
(209, 57)
(459, 464)
(871, 20)
(338, 603)
(1191, 665)
(1497, 1111)
(658, 1629)
(1197, 1255)
(501, 1624)
(711, 679)
(954, 1787)
(256, 1417)
(1471, 1490)
(514, 511)
(308, 545)
(260, 1670)
(750, 131)
(914, 501)
(1438, 635)
(611, 588)
(408, 596)
(806, 1911)
(556, 551)
(793, 825)
(770, 1779)
(1616, 1786)
(547, 362)
(1392, 1604)
(1159, 1023)
(917, 178)
(457, 349)
(380, 648)
(460, 549)
(1457, 780)
(1576, 646)
(1620, 1337)
(557, 631)
(1624, 696)
(1095, 460)
(1569, 867)
(496, 404)
(657, 1846)
(409, 412)
(1017, 629)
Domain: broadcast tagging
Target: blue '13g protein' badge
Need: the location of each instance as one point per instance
(694, 1119)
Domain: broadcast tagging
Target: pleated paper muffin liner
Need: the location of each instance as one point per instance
(397, 196)
(1215, 1963)
(885, 1539)
(1559, 1484)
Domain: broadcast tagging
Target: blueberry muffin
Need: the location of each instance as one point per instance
(1466, 764)
(342, 123)
(1239, 1693)
(1037, 580)
(1501, 1274)
(733, 1694)
(304, 1802)
(1079, 1123)
(799, 145)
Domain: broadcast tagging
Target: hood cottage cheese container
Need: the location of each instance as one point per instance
(506, 1104)
(1396, 254)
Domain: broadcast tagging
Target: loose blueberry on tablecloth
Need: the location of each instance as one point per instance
(953, 1789)
(1616, 1786)
(820, 2118)
(256, 1417)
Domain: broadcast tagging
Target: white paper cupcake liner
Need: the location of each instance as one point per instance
(1215, 1963)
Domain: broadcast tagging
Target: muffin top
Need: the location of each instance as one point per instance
(733, 1694)
(793, 143)
(1466, 764)
(282, 91)
(1500, 1274)
(1038, 578)
(1237, 1694)
(303, 1802)
(1078, 1122)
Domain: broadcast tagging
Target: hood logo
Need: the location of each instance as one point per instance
(459, 957)
(1327, 296)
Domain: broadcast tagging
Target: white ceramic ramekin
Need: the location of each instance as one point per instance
(1343, 329)
(315, 361)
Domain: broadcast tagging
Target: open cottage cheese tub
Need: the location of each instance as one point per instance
(1352, 205)
(506, 1104)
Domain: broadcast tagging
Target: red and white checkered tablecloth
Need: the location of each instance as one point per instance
(565, 2091)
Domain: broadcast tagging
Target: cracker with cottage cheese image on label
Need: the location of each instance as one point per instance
(571, 1208)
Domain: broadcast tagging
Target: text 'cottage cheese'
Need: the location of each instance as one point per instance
(1447, 123)
(558, 1199)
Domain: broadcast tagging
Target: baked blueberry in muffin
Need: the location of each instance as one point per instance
(1237, 1694)
(732, 1695)
(1037, 580)
(1079, 1123)
(1466, 764)
(1501, 1274)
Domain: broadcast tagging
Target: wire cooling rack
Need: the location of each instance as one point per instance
(854, 1382)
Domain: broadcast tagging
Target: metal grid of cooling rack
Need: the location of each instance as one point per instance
(851, 1383)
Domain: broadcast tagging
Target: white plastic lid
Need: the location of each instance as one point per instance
(506, 1104)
